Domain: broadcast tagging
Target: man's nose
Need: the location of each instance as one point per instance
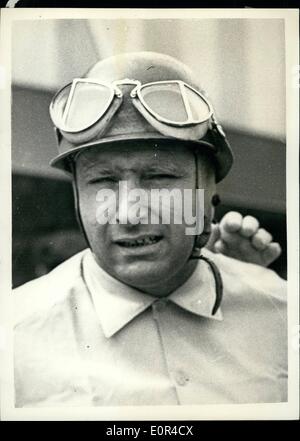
(126, 212)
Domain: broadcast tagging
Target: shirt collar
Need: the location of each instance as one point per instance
(116, 304)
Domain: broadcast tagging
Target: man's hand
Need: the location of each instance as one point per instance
(242, 238)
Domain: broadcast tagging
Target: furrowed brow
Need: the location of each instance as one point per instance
(165, 168)
(92, 168)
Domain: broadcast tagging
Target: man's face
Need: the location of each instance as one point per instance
(141, 254)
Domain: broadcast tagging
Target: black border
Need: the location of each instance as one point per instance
(153, 4)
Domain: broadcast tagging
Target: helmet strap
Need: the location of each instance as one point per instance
(200, 242)
(76, 203)
(201, 239)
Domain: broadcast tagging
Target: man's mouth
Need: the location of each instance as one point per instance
(138, 242)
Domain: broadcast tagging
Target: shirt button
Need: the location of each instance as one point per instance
(196, 303)
(181, 378)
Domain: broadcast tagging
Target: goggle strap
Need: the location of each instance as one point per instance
(58, 135)
(218, 135)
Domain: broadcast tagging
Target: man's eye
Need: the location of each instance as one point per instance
(162, 176)
(103, 180)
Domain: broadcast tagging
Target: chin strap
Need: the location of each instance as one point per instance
(200, 242)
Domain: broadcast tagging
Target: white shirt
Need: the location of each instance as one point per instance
(84, 338)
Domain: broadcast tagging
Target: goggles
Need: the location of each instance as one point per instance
(83, 109)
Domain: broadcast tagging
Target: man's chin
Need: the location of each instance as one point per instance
(142, 275)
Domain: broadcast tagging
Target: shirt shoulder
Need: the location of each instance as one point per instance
(249, 283)
(39, 296)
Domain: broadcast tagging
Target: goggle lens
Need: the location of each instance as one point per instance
(88, 102)
(58, 105)
(174, 102)
(198, 107)
(165, 100)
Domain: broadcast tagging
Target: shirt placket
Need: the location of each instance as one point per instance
(177, 375)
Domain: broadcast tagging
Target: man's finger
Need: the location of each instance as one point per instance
(233, 240)
(261, 239)
(221, 247)
(271, 253)
(214, 236)
(249, 226)
(231, 222)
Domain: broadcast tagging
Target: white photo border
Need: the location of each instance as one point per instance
(289, 410)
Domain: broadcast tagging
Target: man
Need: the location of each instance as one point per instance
(147, 315)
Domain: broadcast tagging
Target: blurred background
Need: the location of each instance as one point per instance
(241, 63)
